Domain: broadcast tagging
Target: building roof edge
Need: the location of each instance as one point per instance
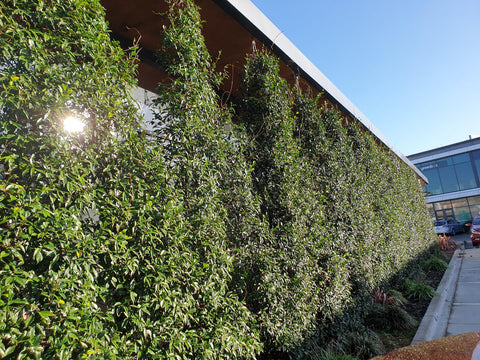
(443, 149)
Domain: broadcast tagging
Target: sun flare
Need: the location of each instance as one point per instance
(73, 124)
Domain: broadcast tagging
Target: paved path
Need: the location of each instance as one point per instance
(456, 308)
(465, 312)
(463, 239)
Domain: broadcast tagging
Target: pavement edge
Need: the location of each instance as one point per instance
(435, 321)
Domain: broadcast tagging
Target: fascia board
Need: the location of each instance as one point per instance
(453, 195)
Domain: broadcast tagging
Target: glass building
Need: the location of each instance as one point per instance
(453, 173)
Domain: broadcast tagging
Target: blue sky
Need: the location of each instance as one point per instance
(411, 66)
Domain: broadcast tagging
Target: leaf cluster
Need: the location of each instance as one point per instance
(418, 291)
(389, 318)
(434, 264)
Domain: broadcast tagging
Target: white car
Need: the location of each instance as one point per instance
(449, 226)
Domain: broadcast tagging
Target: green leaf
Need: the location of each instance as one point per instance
(37, 255)
(45, 314)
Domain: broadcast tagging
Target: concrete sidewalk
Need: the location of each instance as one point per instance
(465, 312)
(456, 308)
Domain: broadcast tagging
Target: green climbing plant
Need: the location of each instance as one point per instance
(253, 230)
(208, 180)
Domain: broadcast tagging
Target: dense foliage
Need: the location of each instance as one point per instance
(231, 233)
(350, 224)
(57, 267)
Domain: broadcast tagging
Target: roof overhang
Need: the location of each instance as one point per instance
(230, 29)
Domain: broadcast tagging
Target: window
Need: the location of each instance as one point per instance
(474, 200)
(465, 176)
(464, 171)
(458, 203)
(461, 210)
(452, 173)
(474, 203)
(476, 161)
(434, 186)
(462, 214)
(448, 179)
(442, 205)
(460, 159)
(431, 210)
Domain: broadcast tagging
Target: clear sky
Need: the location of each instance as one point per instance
(411, 66)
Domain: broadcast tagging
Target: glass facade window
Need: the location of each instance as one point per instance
(476, 162)
(474, 204)
(453, 173)
(475, 210)
(465, 176)
(431, 211)
(457, 203)
(463, 209)
(460, 159)
(448, 179)
(445, 205)
(434, 186)
(438, 205)
(474, 200)
(462, 214)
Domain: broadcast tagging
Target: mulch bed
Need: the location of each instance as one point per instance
(418, 308)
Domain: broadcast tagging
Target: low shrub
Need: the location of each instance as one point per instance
(392, 298)
(416, 274)
(446, 243)
(398, 298)
(418, 291)
(434, 264)
(362, 343)
(326, 355)
(389, 318)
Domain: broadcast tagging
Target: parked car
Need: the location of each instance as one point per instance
(475, 231)
(449, 226)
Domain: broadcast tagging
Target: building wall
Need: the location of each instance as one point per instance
(144, 99)
(454, 179)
